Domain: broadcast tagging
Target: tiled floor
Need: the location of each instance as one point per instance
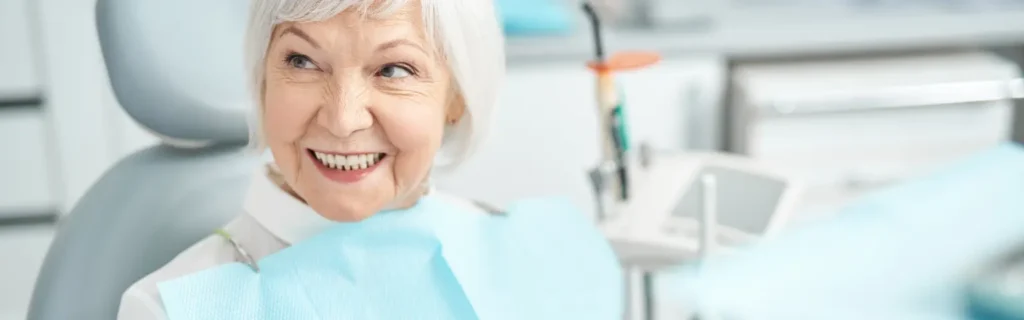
(22, 250)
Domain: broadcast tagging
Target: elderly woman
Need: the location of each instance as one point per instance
(358, 101)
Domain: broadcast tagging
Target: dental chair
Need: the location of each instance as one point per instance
(184, 81)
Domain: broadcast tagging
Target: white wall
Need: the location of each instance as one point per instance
(544, 137)
(88, 129)
(77, 94)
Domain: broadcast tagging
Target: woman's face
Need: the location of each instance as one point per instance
(355, 109)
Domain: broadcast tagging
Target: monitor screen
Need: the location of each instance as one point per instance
(746, 201)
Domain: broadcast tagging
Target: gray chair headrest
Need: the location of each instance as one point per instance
(177, 66)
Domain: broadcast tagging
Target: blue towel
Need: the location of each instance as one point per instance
(534, 17)
(436, 260)
(904, 253)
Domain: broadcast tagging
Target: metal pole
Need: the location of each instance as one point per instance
(708, 215)
(708, 230)
(636, 302)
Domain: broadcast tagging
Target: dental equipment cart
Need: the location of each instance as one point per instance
(849, 126)
(659, 210)
(684, 209)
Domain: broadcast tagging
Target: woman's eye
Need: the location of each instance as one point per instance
(394, 71)
(299, 61)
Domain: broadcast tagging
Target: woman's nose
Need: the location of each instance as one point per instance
(347, 108)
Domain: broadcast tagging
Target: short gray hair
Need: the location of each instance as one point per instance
(466, 33)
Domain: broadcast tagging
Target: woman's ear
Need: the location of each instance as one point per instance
(456, 109)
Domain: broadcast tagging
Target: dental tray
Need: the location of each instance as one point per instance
(662, 224)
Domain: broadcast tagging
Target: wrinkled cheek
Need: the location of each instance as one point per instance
(285, 120)
(416, 146)
(413, 163)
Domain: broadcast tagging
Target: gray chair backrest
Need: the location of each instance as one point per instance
(176, 68)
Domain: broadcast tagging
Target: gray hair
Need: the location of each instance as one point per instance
(466, 33)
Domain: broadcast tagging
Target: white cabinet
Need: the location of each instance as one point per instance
(543, 138)
(18, 67)
(24, 250)
(25, 163)
(25, 154)
(850, 127)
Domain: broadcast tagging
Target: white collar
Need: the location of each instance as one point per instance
(291, 220)
(280, 213)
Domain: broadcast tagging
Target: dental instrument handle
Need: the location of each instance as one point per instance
(599, 181)
(608, 110)
(595, 24)
(617, 133)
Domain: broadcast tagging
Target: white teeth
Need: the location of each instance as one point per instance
(351, 162)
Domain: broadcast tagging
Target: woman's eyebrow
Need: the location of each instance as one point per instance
(398, 43)
(301, 34)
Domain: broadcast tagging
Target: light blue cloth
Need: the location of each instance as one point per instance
(543, 260)
(903, 253)
(535, 17)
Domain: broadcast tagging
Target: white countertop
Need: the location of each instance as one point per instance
(793, 33)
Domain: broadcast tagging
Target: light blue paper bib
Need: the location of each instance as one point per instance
(541, 260)
(903, 253)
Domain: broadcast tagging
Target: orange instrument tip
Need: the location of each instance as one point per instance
(625, 61)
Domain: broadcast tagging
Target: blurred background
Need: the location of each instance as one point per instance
(846, 95)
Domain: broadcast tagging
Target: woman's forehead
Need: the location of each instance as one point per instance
(355, 23)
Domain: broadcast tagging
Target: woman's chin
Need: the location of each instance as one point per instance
(347, 213)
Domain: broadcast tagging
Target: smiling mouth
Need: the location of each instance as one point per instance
(351, 162)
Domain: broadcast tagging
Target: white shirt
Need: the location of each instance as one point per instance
(272, 220)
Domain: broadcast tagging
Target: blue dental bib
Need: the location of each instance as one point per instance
(542, 259)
